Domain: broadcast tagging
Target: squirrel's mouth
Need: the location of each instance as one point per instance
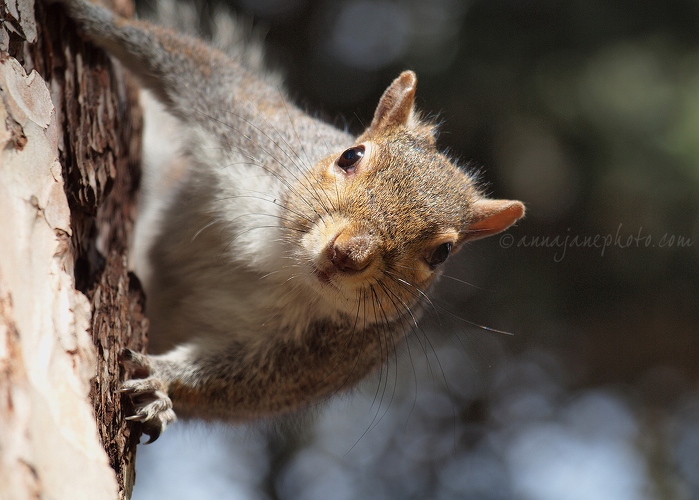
(323, 277)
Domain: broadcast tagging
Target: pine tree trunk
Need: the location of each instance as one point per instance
(69, 152)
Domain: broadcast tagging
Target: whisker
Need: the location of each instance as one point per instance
(209, 224)
(281, 164)
(303, 149)
(447, 276)
(274, 202)
(304, 172)
(228, 246)
(409, 286)
(386, 334)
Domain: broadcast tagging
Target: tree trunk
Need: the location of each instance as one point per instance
(69, 151)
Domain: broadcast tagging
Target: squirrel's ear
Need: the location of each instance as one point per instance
(492, 216)
(396, 104)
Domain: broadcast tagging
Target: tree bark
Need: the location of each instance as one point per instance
(69, 172)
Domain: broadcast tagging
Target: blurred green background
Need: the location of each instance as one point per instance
(589, 113)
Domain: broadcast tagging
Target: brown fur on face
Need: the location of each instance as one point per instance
(403, 199)
(384, 215)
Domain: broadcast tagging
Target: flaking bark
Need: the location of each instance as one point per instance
(69, 156)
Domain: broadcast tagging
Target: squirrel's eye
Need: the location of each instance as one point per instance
(439, 255)
(348, 160)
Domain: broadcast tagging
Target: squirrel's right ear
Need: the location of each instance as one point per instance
(396, 104)
(492, 216)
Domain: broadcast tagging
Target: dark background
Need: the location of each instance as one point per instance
(589, 113)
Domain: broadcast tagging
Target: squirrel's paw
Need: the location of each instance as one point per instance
(152, 406)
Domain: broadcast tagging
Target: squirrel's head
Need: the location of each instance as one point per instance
(376, 222)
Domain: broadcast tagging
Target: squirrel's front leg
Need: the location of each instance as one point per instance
(148, 394)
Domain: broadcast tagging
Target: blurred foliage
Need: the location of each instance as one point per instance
(588, 111)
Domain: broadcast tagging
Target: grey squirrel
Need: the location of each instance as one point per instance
(290, 258)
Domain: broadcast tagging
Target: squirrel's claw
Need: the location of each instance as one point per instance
(155, 415)
(152, 406)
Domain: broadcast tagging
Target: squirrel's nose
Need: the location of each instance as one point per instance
(352, 252)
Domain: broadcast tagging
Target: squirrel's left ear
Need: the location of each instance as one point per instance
(396, 104)
(492, 216)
